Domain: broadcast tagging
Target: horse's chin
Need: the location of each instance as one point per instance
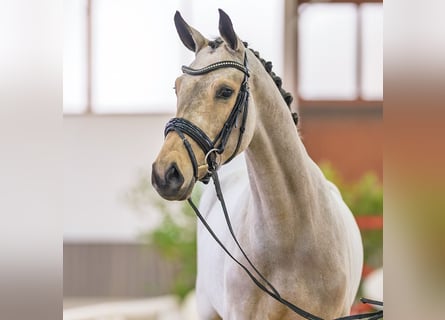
(183, 194)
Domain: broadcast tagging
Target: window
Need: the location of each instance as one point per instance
(132, 58)
(372, 51)
(122, 56)
(327, 59)
(117, 59)
(340, 52)
(74, 57)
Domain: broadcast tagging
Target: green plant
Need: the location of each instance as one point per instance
(175, 235)
(175, 238)
(364, 197)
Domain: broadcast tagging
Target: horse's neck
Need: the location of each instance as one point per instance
(283, 178)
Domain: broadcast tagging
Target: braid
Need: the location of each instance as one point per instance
(287, 96)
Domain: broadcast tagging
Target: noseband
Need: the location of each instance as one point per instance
(215, 147)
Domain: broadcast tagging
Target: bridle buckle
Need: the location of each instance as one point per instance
(215, 163)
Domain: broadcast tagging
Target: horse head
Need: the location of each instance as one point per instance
(212, 124)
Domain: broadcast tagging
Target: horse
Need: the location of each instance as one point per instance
(290, 220)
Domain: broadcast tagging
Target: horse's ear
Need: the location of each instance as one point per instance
(190, 37)
(227, 32)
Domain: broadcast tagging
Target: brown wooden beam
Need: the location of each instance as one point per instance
(339, 103)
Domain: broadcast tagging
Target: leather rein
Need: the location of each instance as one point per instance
(215, 147)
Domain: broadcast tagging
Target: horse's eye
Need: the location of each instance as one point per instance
(224, 93)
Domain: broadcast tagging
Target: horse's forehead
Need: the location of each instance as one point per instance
(209, 55)
(194, 86)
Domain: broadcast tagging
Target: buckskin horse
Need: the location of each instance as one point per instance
(292, 222)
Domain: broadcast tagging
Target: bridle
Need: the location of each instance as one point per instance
(216, 147)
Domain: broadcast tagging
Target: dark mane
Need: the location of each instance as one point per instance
(287, 96)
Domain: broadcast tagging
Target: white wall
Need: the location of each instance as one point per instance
(103, 156)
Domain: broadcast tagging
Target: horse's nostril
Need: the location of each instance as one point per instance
(173, 176)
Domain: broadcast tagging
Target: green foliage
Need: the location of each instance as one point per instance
(363, 197)
(175, 239)
(175, 236)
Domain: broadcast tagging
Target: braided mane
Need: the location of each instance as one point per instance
(287, 96)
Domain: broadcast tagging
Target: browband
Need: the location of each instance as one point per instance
(215, 66)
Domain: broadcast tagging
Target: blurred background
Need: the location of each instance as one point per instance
(128, 252)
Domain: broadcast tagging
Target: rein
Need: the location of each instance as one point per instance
(210, 148)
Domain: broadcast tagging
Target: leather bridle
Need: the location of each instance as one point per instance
(211, 149)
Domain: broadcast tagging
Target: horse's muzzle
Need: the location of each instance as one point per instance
(168, 183)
